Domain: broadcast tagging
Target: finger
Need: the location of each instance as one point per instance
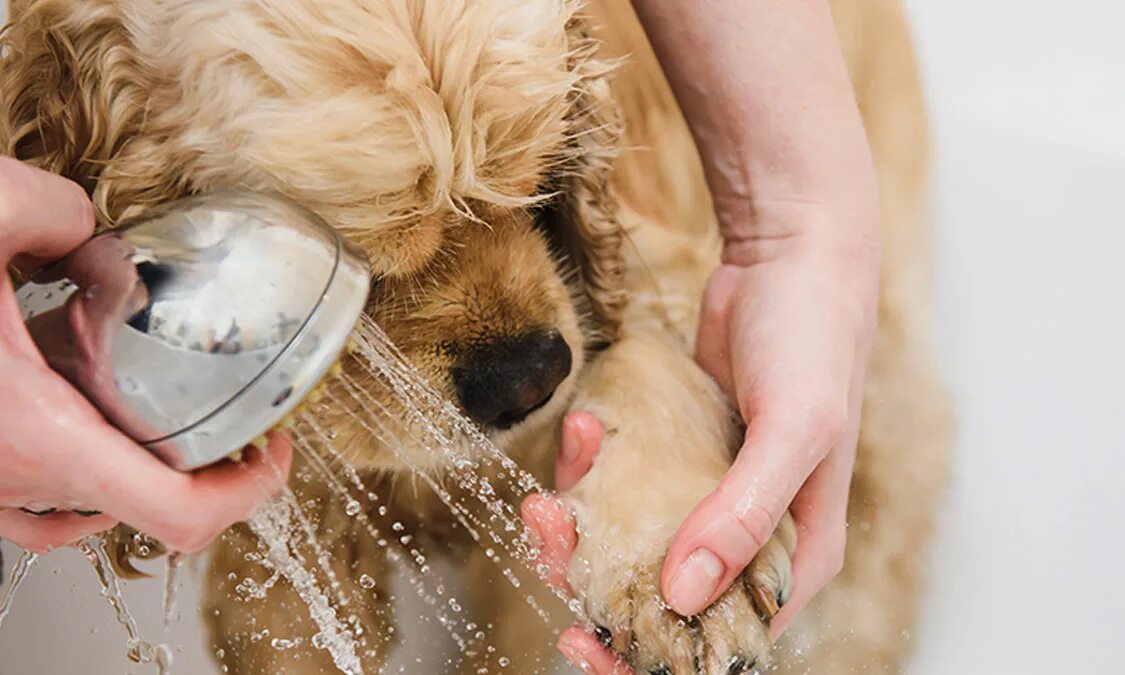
(41, 214)
(553, 526)
(584, 652)
(42, 534)
(820, 513)
(581, 439)
(183, 511)
(728, 528)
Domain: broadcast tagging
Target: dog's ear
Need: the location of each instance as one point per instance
(71, 94)
(587, 205)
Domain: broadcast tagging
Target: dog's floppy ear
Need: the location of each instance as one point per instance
(71, 94)
(587, 205)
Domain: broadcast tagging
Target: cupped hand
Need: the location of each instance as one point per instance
(56, 449)
(786, 328)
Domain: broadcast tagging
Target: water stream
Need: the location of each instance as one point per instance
(93, 548)
(476, 481)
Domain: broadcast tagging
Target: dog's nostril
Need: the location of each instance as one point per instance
(504, 382)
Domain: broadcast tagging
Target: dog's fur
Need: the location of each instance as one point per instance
(473, 148)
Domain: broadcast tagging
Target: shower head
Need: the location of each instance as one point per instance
(200, 325)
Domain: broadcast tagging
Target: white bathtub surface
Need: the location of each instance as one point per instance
(1029, 99)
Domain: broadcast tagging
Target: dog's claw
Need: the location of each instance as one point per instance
(739, 665)
(660, 670)
(604, 636)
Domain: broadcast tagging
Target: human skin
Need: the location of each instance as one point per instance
(56, 450)
(787, 319)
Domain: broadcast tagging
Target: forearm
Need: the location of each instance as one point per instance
(764, 86)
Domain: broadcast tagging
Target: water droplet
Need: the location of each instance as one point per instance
(352, 508)
(281, 644)
(366, 581)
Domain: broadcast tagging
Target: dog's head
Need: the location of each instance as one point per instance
(465, 145)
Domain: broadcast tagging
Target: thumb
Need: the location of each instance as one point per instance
(42, 215)
(727, 529)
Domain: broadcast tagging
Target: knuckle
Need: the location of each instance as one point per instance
(823, 422)
(757, 523)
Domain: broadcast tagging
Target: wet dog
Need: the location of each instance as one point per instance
(540, 232)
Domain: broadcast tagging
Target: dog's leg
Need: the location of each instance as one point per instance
(274, 633)
(670, 435)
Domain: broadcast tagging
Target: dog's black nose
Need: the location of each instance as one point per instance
(504, 382)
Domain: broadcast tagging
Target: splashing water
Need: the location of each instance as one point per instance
(168, 596)
(487, 478)
(488, 483)
(93, 548)
(26, 561)
(315, 438)
(273, 525)
(437, 425)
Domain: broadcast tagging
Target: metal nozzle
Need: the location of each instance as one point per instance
(200, 325)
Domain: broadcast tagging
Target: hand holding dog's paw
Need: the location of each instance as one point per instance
(619, 589)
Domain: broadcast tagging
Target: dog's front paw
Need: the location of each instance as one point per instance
(621, 596)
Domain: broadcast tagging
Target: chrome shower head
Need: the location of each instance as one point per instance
(200, 325)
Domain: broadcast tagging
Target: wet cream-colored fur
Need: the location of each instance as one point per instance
(510, 167)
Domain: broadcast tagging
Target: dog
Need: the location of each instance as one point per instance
(540, 232)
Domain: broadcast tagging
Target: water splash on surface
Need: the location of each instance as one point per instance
(93, 548)
(19, 572)
(479, 484)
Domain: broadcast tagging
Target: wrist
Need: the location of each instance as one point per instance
(764, 229)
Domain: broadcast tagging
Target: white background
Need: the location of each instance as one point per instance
(1028, 100)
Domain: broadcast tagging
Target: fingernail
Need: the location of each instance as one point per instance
(695, 582)
(38, 511)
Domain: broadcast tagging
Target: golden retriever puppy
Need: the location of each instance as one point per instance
(539, 231)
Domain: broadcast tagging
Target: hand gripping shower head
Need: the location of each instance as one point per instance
(200, 325)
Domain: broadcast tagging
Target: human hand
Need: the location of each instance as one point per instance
(555, 529)
(786, 328)
(56, 449)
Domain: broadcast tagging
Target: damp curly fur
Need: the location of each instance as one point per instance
(508, 166)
